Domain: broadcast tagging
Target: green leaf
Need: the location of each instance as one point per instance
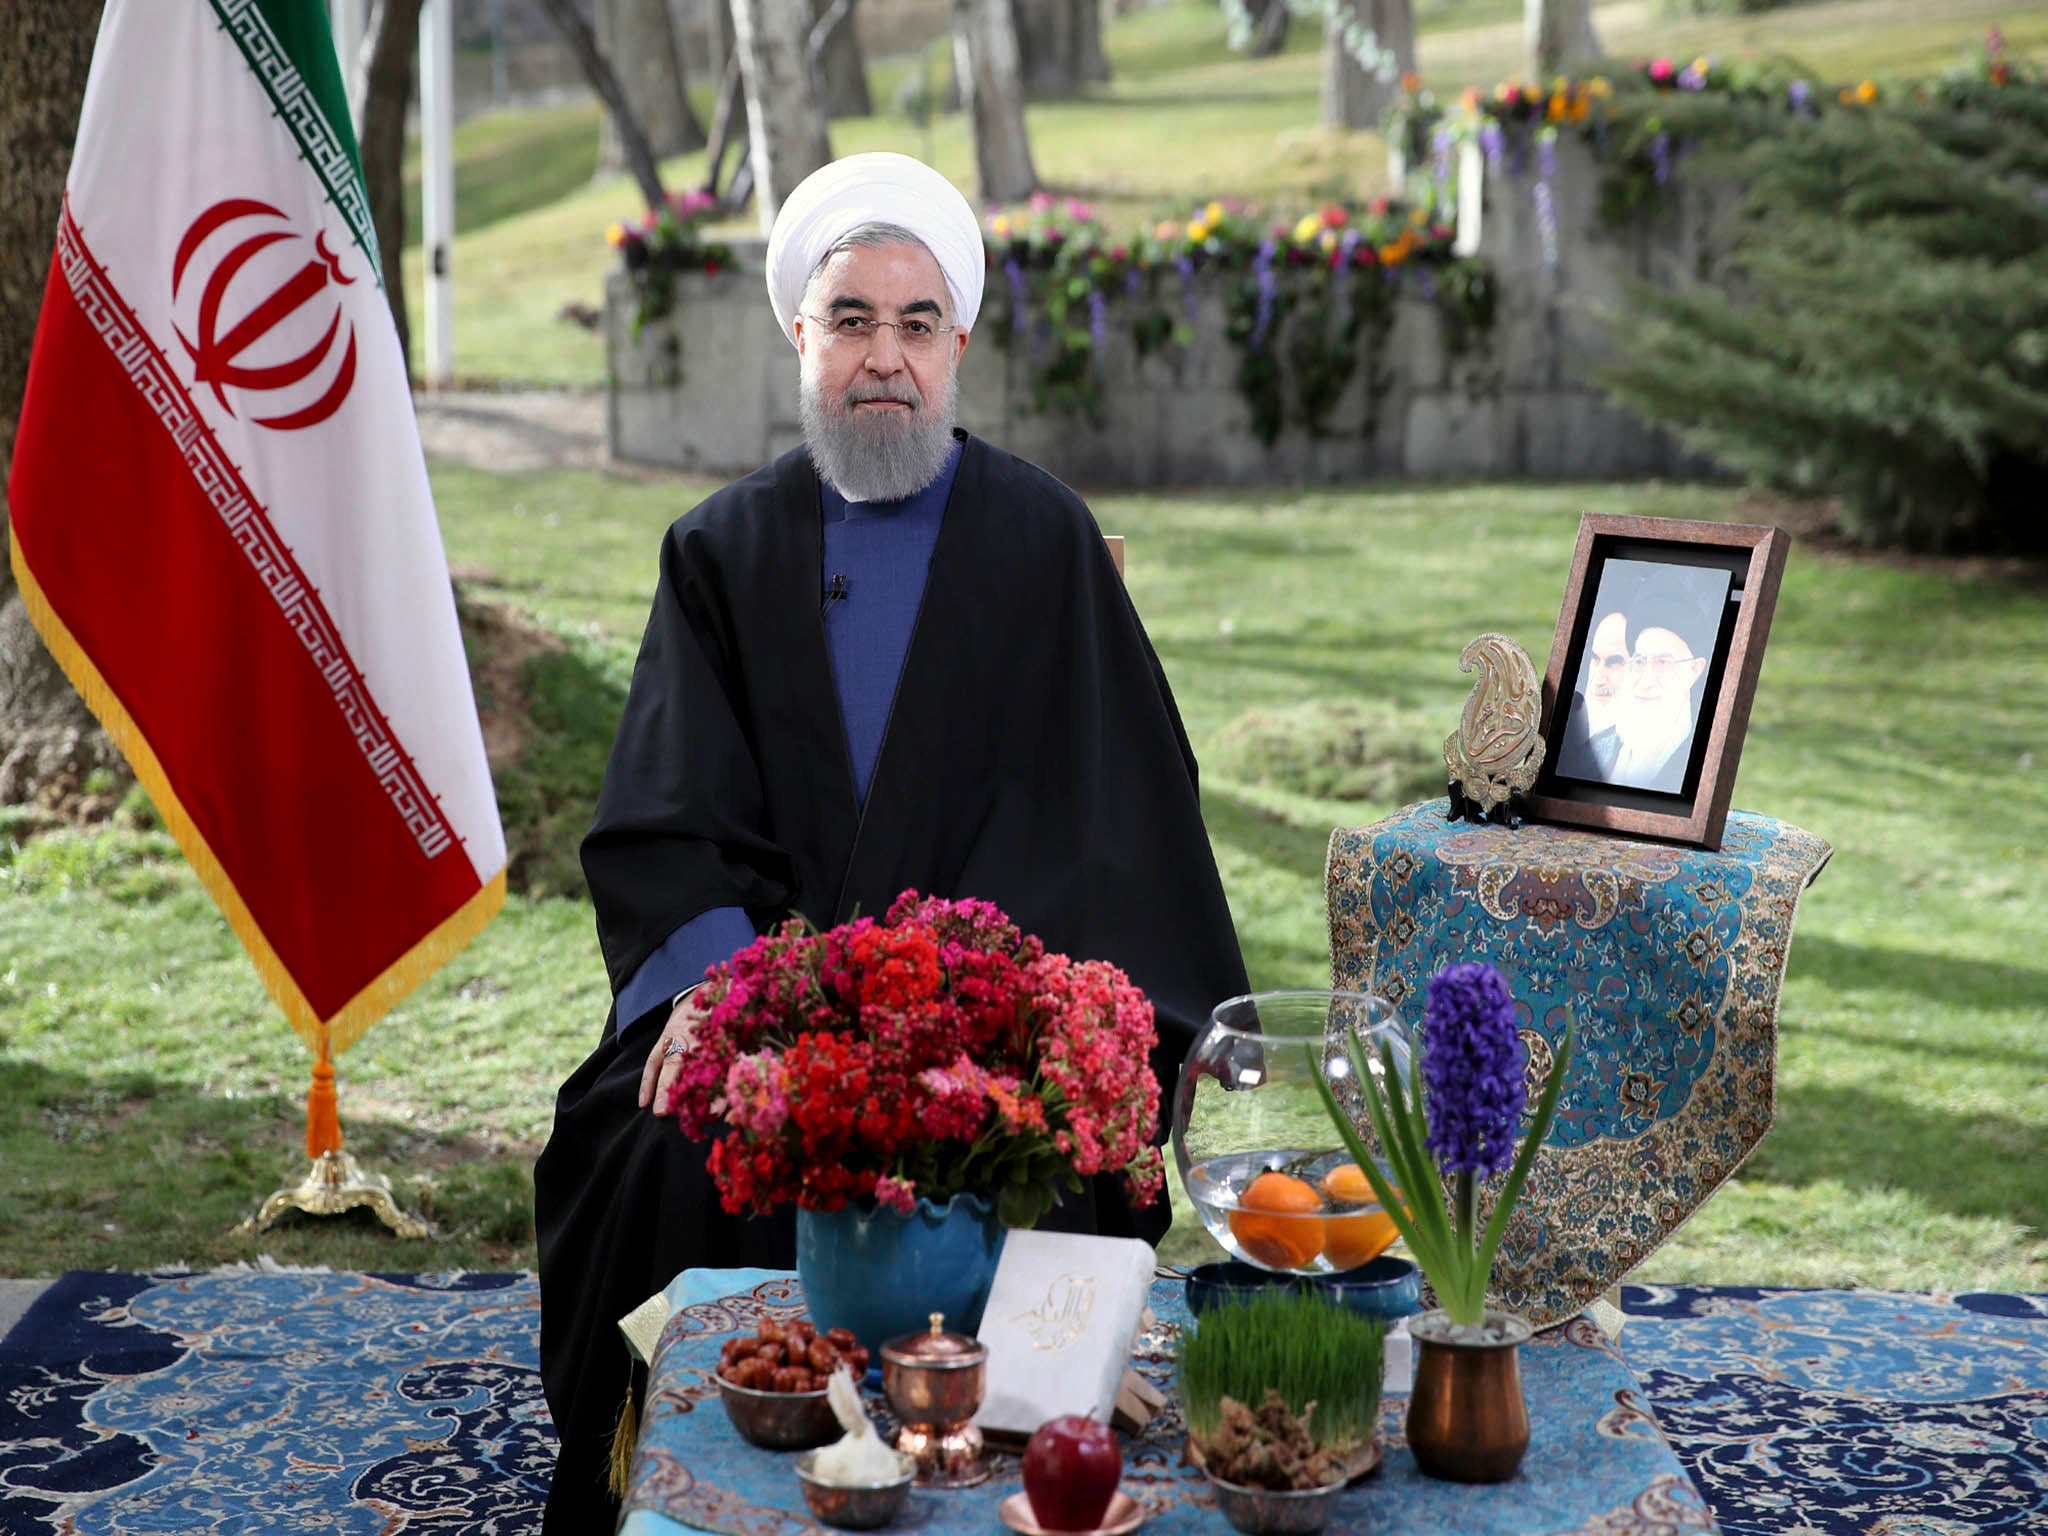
(1422, 1242)
(1020, 1206)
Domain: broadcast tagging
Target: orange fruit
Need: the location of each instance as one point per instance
(1347, 1183)
(1277, 1221)
(1349, 1241)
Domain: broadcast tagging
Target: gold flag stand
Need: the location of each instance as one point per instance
(336, 1182)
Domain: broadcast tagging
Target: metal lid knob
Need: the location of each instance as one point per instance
(936, 1348)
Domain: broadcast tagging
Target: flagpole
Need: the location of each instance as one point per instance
(437, 186)
(336, 1182)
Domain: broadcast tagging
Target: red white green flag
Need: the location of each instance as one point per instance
(220, 515)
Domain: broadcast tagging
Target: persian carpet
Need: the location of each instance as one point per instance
(1822, 1413)
(264, 1401)
(403, 1404)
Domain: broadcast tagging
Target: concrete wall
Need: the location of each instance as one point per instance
(1518, 403)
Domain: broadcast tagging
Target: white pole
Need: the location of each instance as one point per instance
(348, 19)
(437, 184)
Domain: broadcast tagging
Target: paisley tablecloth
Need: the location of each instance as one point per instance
(1669, 958)
(1597, 1462)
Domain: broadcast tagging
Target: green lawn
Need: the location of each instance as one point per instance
(1182, 120)
(151, 1090)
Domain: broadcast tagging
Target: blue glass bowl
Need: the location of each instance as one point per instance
(1388, 1287)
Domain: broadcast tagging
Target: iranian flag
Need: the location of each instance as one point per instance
(221, 521)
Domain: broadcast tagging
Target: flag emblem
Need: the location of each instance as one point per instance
(256, 277)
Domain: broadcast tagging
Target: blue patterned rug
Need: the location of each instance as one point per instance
(394, 1405)
(268, 1402)
(1826, 1413)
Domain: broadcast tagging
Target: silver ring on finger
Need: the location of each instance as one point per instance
(673, 1049)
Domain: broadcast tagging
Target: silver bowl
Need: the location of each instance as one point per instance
(779, 1421)
(1264, 1512)
(859, 1508)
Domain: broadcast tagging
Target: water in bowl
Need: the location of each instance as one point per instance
(1291, 1211)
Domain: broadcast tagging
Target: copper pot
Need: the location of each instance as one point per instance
(935, 1381)
(1467, 1420)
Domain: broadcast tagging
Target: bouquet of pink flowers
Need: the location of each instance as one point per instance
(939, 1051)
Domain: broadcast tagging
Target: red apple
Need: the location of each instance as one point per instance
(1071, 1467)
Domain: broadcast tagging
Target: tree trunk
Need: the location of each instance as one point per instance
(787, 137)
(49, 742)
(842, 71)
(1556, 33)
(590, 58)
(639, 38)
(1269, 27)
(1353, 95)
(720, 13)
(387, 89)
(985, 63)
(1059, 46)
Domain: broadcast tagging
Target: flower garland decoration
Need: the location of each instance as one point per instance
(1316, 291)
(1639, 118)
(937, 1051)
(1458, 1131)
(663, 242)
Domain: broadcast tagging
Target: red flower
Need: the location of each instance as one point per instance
(934, 1052)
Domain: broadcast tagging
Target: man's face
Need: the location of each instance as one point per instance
(1662, 670)
(1607, 673)
(878, 381)
(878, 408)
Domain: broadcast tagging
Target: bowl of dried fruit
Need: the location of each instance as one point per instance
(773, 1383)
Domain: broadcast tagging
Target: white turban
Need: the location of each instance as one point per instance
(836, 199)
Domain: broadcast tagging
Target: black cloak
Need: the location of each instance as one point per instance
(1033, 757)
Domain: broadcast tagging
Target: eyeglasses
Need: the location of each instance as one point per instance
(912, 335)
(1661, 666)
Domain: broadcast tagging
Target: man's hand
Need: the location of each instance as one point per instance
(678, 1035)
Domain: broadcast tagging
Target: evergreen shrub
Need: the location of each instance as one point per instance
(1878, 332)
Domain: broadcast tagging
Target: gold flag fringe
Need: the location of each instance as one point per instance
(322, 1036)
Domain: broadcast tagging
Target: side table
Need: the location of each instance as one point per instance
(1670, 959)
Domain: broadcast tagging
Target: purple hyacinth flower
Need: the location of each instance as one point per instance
(1546, 156)
(1796, 94)
(1660, 158)
(1490, 141)
(1185, 266)
(1019, 299)
(1098, 325)
(1472, 1068)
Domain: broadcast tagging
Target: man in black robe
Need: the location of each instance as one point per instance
(998, 727)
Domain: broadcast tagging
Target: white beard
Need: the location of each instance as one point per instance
(886, 458)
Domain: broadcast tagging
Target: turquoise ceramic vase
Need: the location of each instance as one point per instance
(881, 1273)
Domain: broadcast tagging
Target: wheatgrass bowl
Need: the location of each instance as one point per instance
(1266, 1512)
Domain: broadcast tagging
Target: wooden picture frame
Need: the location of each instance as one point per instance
(1652, 669)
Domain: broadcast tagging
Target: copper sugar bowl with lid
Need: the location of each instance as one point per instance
(934, 1382)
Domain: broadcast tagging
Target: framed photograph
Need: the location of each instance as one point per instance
(1652, 669)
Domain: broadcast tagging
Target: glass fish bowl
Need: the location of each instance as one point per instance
(1259, 1157)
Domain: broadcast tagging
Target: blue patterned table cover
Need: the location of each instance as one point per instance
(1844, 1413)
(1671, 959)
(1597, 1463)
